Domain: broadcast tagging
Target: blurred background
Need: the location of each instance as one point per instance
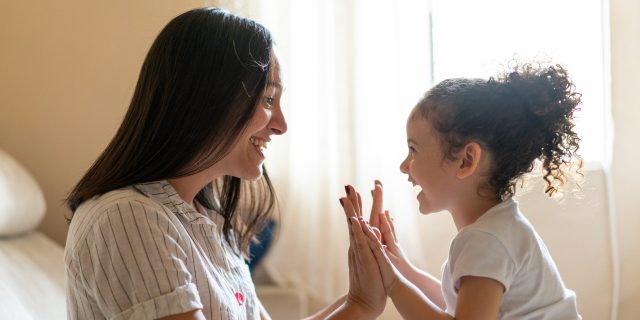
(353, 70)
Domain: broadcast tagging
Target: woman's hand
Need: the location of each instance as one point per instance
(366, 247)
(366, 289)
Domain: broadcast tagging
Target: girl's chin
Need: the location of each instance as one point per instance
(423, 204)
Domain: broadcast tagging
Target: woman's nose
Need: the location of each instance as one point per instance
(278, 124)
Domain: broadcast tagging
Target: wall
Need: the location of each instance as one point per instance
(67, 72)
(625, 68)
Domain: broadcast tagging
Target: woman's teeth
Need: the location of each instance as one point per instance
(261, 144)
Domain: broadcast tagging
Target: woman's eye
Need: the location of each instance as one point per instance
(412, 150)
(269, 101)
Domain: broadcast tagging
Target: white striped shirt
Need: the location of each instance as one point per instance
(143, 253)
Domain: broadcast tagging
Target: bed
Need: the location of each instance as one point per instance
(31, 265)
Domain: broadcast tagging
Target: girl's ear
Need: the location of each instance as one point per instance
(469, 160)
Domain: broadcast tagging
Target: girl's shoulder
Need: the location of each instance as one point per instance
(504, 226)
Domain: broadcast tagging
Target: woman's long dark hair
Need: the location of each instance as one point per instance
(198, 88)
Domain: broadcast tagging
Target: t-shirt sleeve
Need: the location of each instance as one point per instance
(481, 254)
(133, 262)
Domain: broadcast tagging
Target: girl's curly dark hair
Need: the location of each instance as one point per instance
(519, 116)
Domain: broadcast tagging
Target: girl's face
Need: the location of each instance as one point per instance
(245, 159)
(426, 165)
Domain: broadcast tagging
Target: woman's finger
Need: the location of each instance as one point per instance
(353, 196)
(348, 207)
(362, 250)
(353, 272)
(377, 232)
(359, 203)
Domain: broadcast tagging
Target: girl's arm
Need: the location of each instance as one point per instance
(478, 297)
(381, 220)
(425, 282)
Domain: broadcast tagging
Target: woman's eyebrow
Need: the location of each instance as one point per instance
(274, 84)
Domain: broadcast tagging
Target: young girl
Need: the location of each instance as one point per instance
(470, 140)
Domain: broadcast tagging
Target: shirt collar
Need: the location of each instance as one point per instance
(163, 192)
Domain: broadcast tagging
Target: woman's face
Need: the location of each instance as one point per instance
(246, 157)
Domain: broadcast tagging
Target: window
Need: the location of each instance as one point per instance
(476, 38)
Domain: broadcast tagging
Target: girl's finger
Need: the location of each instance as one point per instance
(376, 207)
(388, 234)
(390, 222)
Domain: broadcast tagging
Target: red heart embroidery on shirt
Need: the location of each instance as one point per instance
(239, 297)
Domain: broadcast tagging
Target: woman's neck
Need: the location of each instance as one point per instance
(188, 187)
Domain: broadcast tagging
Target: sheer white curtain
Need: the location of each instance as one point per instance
(353, 70)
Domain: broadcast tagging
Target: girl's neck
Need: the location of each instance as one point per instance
(469, 209)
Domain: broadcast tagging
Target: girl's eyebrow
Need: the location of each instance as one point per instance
(411, 141)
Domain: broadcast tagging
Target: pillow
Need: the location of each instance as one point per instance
(22, 204)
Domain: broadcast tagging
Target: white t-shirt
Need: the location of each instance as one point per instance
(502, 245)
(143, 253)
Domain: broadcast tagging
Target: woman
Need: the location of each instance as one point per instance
(155, 227)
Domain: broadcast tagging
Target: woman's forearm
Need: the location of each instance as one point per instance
(347, 311)
(324, 313)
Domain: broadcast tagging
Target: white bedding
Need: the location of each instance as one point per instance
(31, 278)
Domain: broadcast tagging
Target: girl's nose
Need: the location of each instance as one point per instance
(404, 166)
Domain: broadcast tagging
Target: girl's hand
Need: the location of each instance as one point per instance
(366, 289)
(370, 246)
(381, 220)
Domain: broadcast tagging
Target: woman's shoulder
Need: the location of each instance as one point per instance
(116, 200)
(121, 205)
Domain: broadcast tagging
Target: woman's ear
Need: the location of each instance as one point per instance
(469, 160)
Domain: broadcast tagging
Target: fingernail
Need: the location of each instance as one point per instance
(341, 203)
